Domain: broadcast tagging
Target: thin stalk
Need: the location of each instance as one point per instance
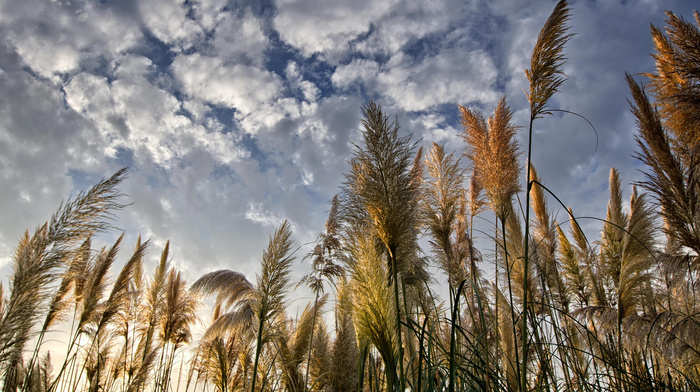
(32, 361)
(526, 260)
(159, 374)
(405, 306)
(169, 368)
(455, 313)
(495, 266)
(257, 351)
(361, 368)
(126, 374)
(95, 339)
(371, 371)
(179, 373)
(510, 294)
(420, 354)
(68, 349)
(475, 291)
(69, 359)
(73, 371)
(392, 253)
(618, 330)
(311, 341)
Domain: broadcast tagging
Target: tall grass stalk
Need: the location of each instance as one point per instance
(545, 77)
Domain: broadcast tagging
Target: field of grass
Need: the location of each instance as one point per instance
(548, 309)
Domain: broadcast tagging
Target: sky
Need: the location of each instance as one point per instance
(236, 115)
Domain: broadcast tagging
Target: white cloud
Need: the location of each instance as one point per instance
(40, 142)
(132, 113)
(168, 21)
(320, 25)
(412, 20)
(208, 12)
(357, 71)
(452, 76)
(47, 57)
(56, 37)
(232, 85)
(434, 128)
(259, 214)
(240, 39)
(308, 90)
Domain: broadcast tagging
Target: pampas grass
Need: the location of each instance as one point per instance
(442, 196)
(492, 148)
(263, 302)
(39, 258)
(560, 311)
(545, 77)
(381, 194)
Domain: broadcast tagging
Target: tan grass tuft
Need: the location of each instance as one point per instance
(492, 147)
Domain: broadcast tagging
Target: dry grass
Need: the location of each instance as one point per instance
(492, 148)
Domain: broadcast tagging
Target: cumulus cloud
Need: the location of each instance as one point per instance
(239, 39)
(235, 86)
(134, 114)
(358, 71)
(168, 21)
(58, 37)
(452, 76)
(318, 26)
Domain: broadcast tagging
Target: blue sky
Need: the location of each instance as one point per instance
(234, 115)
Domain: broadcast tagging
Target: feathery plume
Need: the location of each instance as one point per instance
(96, 284)
(273, 280)
(476, 200)
(492, 147)
(344, 356)
(121, 293)
(381, 194)
(372, 308)
(441, 197)
(576, 282)
(38, 258)
(261, 303)
(675, 82)
(545, 75)
(666, 179)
